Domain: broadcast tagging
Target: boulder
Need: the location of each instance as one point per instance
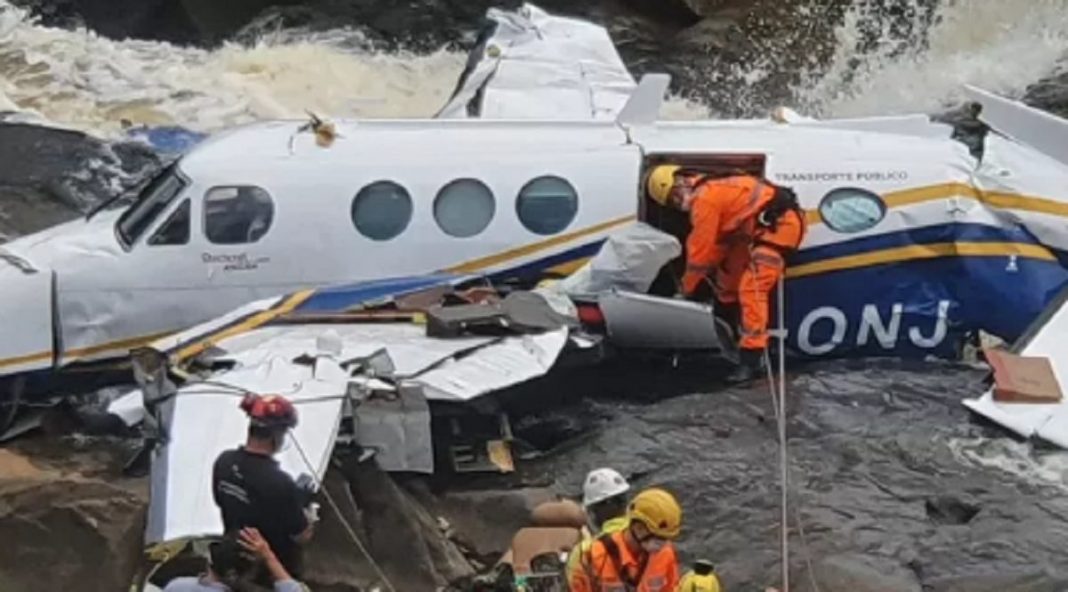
(1050, 94)
(66, 531)
(1035, 581)
(465, 512)
(406, 541)
(859, 573)
(53, 175)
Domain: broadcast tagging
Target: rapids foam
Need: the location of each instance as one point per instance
(1000, 46)
(91, 82)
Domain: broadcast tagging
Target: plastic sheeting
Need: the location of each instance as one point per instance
(537, 66)
(629, 260)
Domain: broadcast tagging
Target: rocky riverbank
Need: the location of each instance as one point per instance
(895, 489)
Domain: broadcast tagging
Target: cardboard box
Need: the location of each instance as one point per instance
(1023, 379)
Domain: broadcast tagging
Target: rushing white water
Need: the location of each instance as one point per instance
(1001, 46)
(79, 79)
(87, 81)
(1018, 459)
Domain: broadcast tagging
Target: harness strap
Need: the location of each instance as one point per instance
(631, 583)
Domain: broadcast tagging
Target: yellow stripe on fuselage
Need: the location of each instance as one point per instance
(918, 252)
(248, 324)
(27, 359)
(512, 254)
(997, 199)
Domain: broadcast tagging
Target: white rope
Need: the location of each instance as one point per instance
(341, 517)
(783, 459)
(778, 402)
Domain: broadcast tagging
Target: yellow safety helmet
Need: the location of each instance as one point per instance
(658, 511)
(692, 582)
(660, 181)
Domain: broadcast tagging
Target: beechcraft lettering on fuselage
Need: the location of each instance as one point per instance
(234, 262)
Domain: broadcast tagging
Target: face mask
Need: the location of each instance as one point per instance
(652, 545)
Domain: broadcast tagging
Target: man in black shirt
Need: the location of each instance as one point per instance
(251, 489)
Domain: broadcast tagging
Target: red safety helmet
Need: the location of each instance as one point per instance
(269, 411)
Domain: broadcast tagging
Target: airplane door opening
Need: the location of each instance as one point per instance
(677, 223)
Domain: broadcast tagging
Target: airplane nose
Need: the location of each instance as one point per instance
(26, 314)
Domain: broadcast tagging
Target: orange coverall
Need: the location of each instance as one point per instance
(752, 269)
(718, 215)
(598, 573)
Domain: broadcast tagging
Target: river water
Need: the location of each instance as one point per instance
(888, 464)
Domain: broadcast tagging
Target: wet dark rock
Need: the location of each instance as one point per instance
(52, 175)
(876, 446)
(858, 573)
(404, 538)
(1026, 581)
(947, 509)
(164, 20)
(1050, 94)
(464, 512)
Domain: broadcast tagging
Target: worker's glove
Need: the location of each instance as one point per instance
(311, 513)
(306, 489)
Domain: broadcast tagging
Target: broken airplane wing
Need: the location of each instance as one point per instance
(1046, 421)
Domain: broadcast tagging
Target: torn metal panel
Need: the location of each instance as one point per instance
(508, 362)
(534, 65)
(1048, 338)
(648, 322)
(204, 419)
(397, 429)
(409, 350)
(1022, 187)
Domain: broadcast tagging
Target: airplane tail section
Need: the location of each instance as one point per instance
(26, 320)
(529, 64)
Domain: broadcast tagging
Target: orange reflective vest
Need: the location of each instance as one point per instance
(609, 566)
(719, 214)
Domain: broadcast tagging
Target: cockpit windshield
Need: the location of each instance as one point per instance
(152, 200)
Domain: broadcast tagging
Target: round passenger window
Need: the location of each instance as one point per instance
(382, 210)
(464, 207)
(547, 205)
(850, 209)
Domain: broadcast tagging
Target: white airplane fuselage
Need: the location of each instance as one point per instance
(262, 210)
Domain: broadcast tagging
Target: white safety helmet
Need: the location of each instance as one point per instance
(602, 484)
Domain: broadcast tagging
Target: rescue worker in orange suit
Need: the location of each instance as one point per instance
(638, 558)
(743, 227)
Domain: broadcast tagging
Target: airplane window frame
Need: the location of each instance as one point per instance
(839, 194)
(397, 229)
(146, 209)
(206, 212)
(539, 228)
(187, 206)
(461, 191)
